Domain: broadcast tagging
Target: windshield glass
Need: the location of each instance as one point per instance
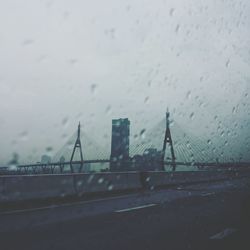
(108, 99)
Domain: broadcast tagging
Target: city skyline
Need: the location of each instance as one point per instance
(183, 141)
(93, 64)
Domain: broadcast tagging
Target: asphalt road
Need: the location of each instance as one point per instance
(204, 216)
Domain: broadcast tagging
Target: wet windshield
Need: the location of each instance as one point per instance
(123, 122)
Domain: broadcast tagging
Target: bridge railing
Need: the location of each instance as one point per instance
(64, 167)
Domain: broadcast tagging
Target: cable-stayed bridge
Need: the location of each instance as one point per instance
(176, 148)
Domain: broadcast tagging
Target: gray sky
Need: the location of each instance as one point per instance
(65, 61)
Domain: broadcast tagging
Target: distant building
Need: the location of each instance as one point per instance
(150, 160)
(14, 160)
(119, 159)
(45, 159)
(62, 159)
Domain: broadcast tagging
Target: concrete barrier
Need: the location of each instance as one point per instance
(14, 188)
(35, 186)
(26, 187)
(167, 178)
(155, 179)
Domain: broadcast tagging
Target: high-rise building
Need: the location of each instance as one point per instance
(119, 159)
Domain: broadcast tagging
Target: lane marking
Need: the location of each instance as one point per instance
(223, 234)
(65, 205)
(208, 194)
(134, 208)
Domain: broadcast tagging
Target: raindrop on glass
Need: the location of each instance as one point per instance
(100, 180)
(93, 88)
(191, 116)
(171, 12)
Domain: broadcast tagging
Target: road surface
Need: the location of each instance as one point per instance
(202, 216)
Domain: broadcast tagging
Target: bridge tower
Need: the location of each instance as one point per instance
(77, 145)
(168, 140)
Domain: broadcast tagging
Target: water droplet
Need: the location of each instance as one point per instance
(49, 149)
(73, 61)
(66, 15)
(171, 12)
(100, 180)
(188, 95)
(65, 121)
(146, 99)
(64, 135)
(191, 116)
(79, 183)
(93, 88)
(41, 58)
(108, 109)
(177, 28)
(142, 133)
(128, 8)
(24, 136)
(90, 179)
(27, 42)
(110, 32)
(227, 63)
(171, 122)
(234, 110)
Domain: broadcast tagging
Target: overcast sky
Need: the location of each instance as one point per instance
(66, 61)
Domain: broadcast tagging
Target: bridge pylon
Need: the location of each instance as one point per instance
(77, 145)
(168, 140)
